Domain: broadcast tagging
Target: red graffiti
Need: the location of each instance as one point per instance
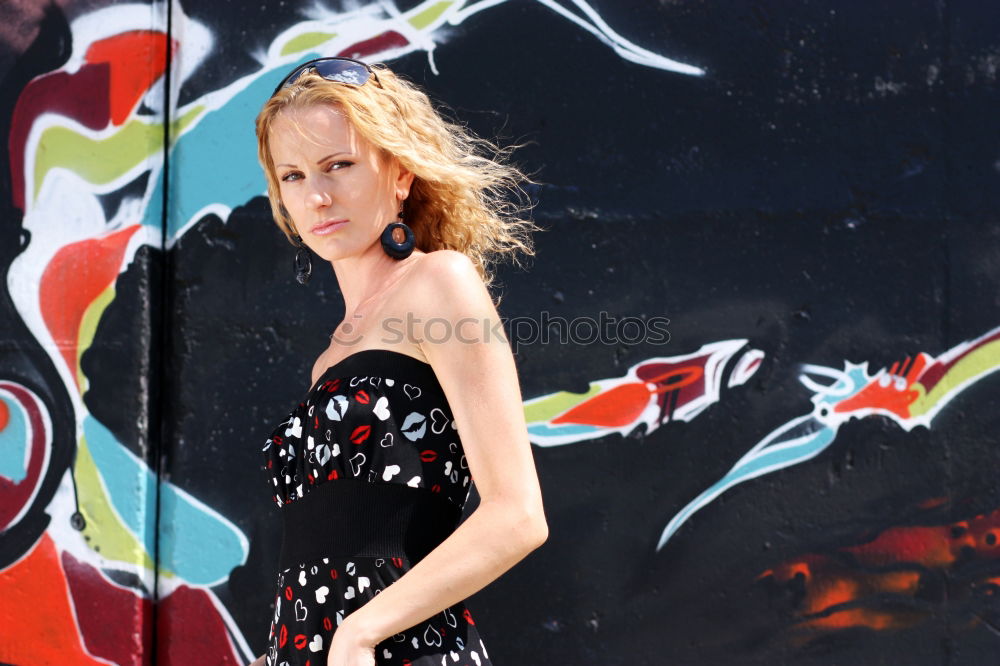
(886, 394)
(624, 404)
(45, 610)
(385, 41)
(105, 90)
(73, 279)
(190, 612)
(14, 497)
(849, 588)
(104, 609)
(133, 60)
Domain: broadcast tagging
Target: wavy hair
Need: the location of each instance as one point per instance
(460, 198)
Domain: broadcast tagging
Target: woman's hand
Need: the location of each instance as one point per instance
(348, 647)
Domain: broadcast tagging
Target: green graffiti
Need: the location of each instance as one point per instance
(88, 330)
(178, 126)
(102, 161)
(546, 408)
(429, 15)
(973, 365)
(306, 41)
(98, 161)
(105, 532)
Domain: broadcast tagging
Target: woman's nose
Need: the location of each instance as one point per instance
(318, 197)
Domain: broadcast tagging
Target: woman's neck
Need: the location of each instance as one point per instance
(362, 279)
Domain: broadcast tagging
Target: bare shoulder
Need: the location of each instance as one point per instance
(446, 280)
(444, 264)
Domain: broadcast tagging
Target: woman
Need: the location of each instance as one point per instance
(369, 469)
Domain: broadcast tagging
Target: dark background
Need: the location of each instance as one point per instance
(828, 190)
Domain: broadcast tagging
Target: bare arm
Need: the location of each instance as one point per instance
(479, 378)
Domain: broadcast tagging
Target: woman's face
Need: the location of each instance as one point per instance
(338, 192)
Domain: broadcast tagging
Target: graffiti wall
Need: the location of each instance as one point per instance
(757, 345)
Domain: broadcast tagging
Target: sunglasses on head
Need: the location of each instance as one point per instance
(334, 68)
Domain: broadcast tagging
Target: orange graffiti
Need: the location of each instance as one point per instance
(74, 278)
(623, 404)
(837, 587)
(833, 592)
(932, 502)
(616, 407)
(135, 60)
(933, 547)
(888, 397)
(928, 546)
(35, 606)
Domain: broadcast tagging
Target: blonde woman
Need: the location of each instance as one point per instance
(417, 394)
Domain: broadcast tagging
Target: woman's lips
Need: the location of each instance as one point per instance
(328, 227)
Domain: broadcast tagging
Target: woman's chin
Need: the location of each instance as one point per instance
(335, 252)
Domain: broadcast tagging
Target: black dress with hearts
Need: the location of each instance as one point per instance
(370, 475)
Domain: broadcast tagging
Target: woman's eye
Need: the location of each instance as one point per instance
(340, 164)
(289, 177)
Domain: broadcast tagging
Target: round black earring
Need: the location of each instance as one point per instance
(303, 262)
(395, 247)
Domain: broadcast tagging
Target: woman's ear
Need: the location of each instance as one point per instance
(404, 180)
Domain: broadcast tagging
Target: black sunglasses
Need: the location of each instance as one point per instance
(334, 68)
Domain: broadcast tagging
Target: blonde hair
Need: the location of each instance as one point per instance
(459, 196)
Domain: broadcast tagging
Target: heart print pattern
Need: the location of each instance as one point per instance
(382, 417)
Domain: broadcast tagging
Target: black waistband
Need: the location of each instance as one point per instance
(354, 518)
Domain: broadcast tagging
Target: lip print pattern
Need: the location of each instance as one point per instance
(336, 408)
(414, 426)
(450, 634)
(380, 426)
(351, 411)
(360, 434)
